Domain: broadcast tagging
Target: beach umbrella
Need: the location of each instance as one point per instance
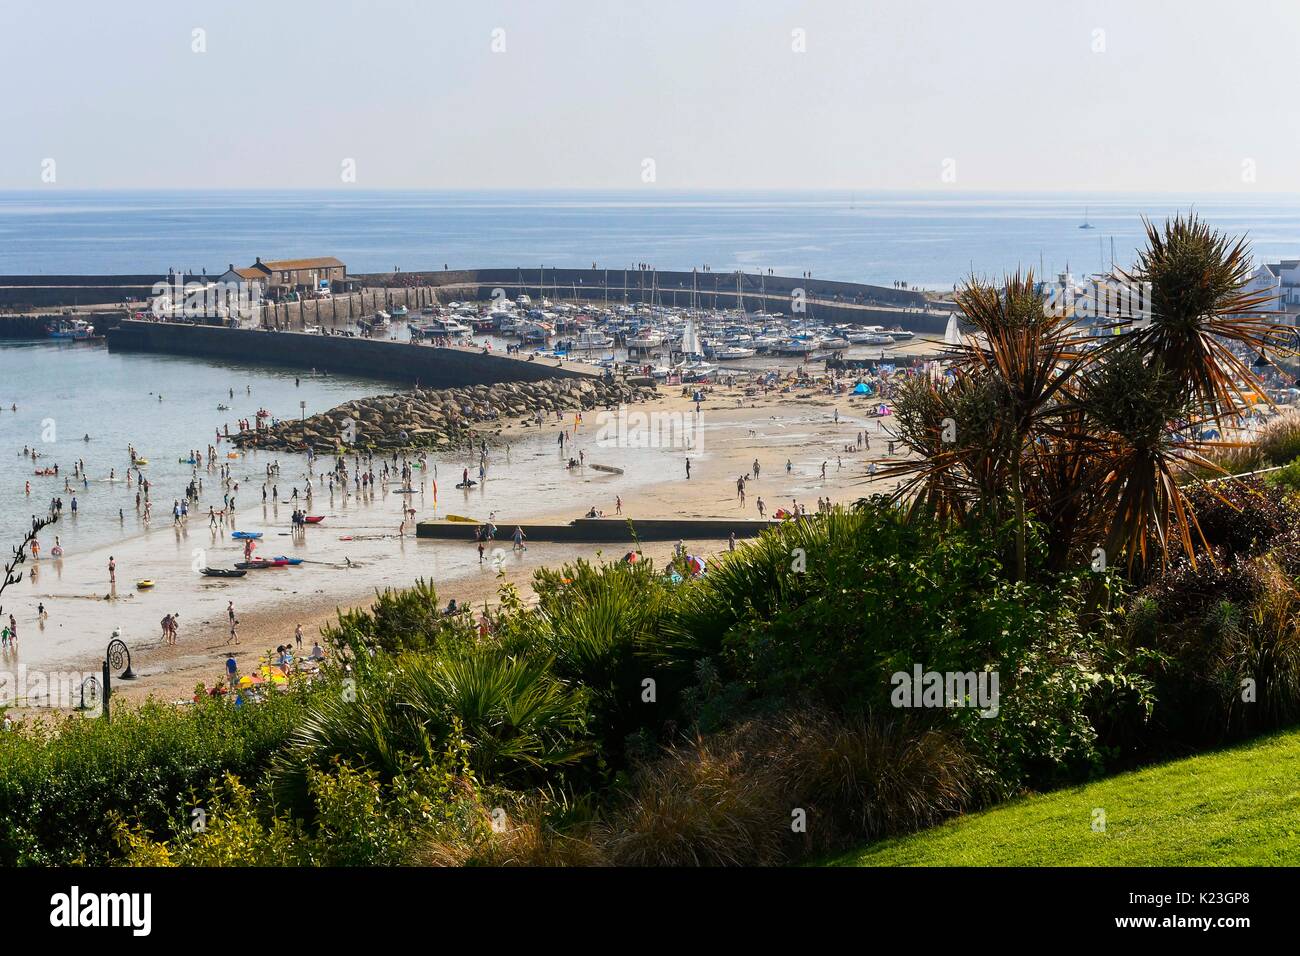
(696, 564)
(248, 680)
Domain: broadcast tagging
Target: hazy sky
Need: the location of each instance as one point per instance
(1017, 94)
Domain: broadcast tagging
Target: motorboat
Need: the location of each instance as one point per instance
(734, 352)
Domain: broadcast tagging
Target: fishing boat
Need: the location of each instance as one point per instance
(78, 330)
(899, 334)
(223, 572)
(401, 312)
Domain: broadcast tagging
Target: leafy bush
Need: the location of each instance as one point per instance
(59, 784)
(359, 821)
(515, 717)
(398, 621)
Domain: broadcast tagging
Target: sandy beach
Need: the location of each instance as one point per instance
(357, 549)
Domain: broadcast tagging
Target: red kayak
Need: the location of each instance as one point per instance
(313, 519)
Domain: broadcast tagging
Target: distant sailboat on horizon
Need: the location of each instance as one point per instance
(1086, 224)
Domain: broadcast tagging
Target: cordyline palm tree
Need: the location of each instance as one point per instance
(1089, 434)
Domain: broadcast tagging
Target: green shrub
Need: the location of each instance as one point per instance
(358, 821)
(59, 784)
(514, 716)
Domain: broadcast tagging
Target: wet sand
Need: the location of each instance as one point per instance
(527, 480)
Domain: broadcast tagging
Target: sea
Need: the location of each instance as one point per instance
(76, 402)
(928, 240)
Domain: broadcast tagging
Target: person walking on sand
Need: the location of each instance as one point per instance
(788, 466)
(688, 469)
(761, 508)
(618, 505)
(234, 632)
(519, 539)
(755, 467)
(297, 635)
(823, 471)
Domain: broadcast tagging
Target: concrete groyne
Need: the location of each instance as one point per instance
(604, 530)
(410, 364)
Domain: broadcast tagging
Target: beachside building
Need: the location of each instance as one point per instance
(282, 276)
(1281, 280)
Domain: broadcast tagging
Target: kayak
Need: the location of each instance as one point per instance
(140, 461)
(144, 585)
(245, 534)
(45, 472)
(224, 572)
(292, 562)
(464, 519)
(411, 491)
(313, 519)
(186, 461)
(260, 563)
(607, 468)
(466, 484)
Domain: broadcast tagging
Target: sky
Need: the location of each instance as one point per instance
(1048, 95)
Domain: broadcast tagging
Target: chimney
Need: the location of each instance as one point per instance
(259, 261)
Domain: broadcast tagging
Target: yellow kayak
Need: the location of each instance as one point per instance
(464, 519)
(141, 461)
(144, 584)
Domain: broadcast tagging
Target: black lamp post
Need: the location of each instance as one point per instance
(115, 656)
(118, 654)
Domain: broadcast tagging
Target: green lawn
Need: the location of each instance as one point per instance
(1235, 807)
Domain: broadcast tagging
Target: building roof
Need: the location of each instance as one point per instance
(292, 265)
(250, 273)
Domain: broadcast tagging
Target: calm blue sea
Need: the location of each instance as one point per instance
(927, 239)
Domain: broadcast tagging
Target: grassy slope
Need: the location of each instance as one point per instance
(1235, 807)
